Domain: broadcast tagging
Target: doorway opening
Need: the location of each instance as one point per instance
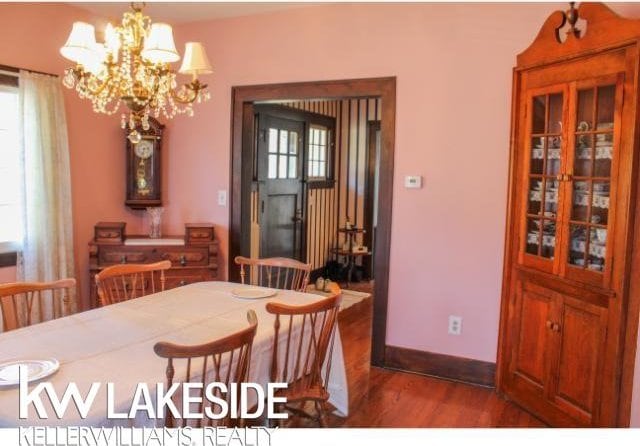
(288, 141)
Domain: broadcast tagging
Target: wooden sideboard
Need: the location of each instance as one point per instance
(194, 255)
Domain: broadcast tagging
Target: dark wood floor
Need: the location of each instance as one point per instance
(386, 398)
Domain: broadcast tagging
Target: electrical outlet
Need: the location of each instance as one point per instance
(222, 198)
(455, 325)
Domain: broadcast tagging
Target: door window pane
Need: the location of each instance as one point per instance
(284, 141)
(282, 168)
(293, 167)
(318, 153)
(273, 166)
(273, 140)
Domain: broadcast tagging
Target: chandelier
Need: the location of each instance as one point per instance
(132, 66)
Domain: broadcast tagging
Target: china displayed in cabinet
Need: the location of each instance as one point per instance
(570, 299)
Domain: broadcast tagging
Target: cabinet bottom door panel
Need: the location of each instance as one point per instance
(578, 376)
(529, 354)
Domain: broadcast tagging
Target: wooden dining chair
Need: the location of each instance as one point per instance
(303, 357)
(27, 303)
(118, 283)
(224, 360)
(274, 272)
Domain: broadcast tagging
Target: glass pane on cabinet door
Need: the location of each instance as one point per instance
(583, 159)
(597, 248)
(577, 245)
(539, 114)
(606, 107)
(537, 155)
(600, 203)
(548, 238)
(603, 154)
(593, 156)
(585, 110)
(551, 198)
(581, 199)
(533, 236)
(554, 122)
(554, 145)
(546, 145)
(535, 196)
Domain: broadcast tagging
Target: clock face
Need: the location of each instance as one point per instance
(144, 149)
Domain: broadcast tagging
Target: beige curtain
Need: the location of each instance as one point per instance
(47, 247)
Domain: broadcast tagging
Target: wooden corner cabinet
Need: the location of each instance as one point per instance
(194, 255)
(570, 297)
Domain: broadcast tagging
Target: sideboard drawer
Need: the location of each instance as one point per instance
(182, 256)
(179, 277)
(122, 254)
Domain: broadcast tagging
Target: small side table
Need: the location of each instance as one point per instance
(349, 254)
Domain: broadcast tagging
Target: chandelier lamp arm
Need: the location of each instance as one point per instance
(194, 88)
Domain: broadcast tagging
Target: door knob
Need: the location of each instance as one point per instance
(298, 216)
(556, 328)
(550, 325)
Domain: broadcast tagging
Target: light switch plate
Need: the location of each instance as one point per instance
(413, 181)
(222, 198)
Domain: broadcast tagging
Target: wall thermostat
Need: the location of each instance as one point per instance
(413, 181)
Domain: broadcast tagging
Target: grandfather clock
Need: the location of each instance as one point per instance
(144, 173)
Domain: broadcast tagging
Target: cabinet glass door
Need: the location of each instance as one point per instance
(545, 154)
(591, 179)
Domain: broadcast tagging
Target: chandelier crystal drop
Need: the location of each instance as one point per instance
(132, 67)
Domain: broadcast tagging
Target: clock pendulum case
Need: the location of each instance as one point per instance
(144, 172)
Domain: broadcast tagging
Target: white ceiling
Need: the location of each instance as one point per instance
(185, 12)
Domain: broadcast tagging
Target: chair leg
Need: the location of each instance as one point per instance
(322, 416)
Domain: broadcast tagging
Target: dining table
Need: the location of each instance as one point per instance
(114, 344)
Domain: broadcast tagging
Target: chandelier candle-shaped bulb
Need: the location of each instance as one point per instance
(195, 60)
(112, 41)
(81, 43)
(159, 46)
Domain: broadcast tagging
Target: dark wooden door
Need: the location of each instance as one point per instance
(280, 186)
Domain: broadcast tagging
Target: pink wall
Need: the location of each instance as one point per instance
(7, 274)
(30, 37)
(453, 66)
(452, 128)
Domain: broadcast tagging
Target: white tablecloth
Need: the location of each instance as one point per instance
(115, 344)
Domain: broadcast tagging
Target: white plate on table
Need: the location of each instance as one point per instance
(36, 370)
(253, 293)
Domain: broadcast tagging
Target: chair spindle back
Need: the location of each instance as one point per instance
(274, 272)
(224, 360)
(119, 283)
(27, 303)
